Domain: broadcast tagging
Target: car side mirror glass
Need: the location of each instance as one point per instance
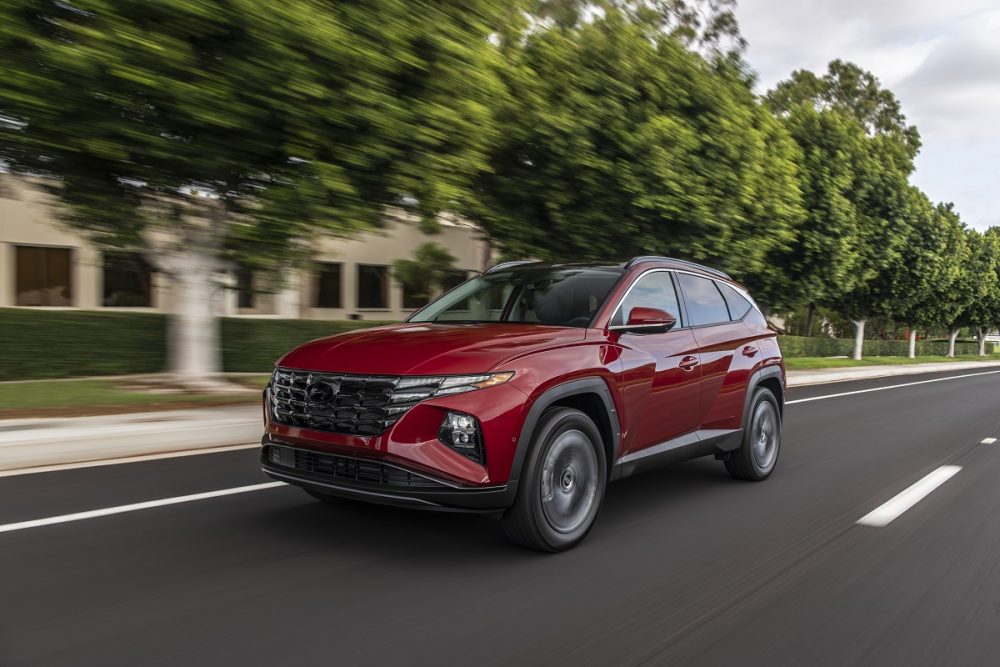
(648, 320)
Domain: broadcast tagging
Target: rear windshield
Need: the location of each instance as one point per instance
(555, 296)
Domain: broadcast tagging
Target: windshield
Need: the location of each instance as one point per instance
(555, 296)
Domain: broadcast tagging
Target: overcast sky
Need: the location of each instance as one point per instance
(942, 59)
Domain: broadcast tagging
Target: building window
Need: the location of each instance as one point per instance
(327, 292)
(244, 287)
(453, 279)
(44, 276)
(128, 281)
(412, 299)
(373, 286)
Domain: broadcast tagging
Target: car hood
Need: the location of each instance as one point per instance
(427, 349)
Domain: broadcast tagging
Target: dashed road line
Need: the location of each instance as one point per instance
(885, 513)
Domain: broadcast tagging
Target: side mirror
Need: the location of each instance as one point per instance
(648, 320)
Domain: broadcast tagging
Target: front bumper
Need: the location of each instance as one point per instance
(377, 481)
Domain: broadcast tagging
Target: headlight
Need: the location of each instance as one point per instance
(456, 384)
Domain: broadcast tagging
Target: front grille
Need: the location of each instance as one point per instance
(346, 468)
(341, 403)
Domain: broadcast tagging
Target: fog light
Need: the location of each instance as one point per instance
(461, 432)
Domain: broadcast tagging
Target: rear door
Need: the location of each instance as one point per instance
(660, 371)
(727, 350)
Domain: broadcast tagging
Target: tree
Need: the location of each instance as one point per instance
(987, 316)
(203, 133)
(925, 273)
(974, 294)
(428, 272)
(615, 143)
(858, 154)
(703, 25)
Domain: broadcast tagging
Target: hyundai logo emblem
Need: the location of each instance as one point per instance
(321, 391)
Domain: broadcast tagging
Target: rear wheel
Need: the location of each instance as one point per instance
(562, 484)
(758, 454)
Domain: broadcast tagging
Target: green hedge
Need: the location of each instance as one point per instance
(66, 343)
(823, 346)
(74, 343)
(38, 344)
(253, 345)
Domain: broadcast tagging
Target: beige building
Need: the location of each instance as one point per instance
(44, 264)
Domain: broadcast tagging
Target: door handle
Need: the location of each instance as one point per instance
(688, 363)
(749, 350)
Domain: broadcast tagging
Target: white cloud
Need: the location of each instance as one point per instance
(941, 59)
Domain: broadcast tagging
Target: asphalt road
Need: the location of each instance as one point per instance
(685, 566)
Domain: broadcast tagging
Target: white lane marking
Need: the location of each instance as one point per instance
(885, 513)
(126, 459)
(894, 386)
(149, 504)
(988, 441)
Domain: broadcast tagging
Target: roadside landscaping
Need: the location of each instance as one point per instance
(74, 398)
(812, 363)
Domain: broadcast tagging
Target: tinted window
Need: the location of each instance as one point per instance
(705, 304)
(244, 287)
(373, 286)
(738, 305)
(654, 290)
(558, 296)
(327, 292)
(127, 281)
(43, 276)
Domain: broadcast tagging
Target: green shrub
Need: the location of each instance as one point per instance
(253, 345)
(824, 346)
(38, 344)
(68, 343)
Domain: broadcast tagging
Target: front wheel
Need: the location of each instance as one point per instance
(758, 454)
(562, 484)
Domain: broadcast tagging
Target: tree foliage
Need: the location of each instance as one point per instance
(427, 273)
(615, 144)
(285, 118)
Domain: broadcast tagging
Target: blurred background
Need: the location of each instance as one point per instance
(189, 189)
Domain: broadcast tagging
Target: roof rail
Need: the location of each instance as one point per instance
(657, 258)
(507, 265)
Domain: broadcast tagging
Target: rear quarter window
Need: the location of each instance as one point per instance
(738, 304)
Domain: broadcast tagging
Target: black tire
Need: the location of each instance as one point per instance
(757, 455)
(562, 484)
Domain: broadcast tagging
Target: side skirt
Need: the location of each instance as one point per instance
(688, 446)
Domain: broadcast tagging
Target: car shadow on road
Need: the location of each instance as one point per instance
(444, 539)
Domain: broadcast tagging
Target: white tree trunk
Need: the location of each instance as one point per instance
(951, 342)
(981, 337)
(193, 342)
(912, 354)
(859, 339)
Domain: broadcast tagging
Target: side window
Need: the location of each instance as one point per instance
(738, 304)
(705, 304)
(655, 290)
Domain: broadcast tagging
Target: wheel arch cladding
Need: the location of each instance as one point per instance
(589, 395)
(769, 377)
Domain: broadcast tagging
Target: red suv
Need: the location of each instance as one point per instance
(524, 391)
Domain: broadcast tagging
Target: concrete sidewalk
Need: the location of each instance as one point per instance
(825, 375)
(32, 443)
(27, 444)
